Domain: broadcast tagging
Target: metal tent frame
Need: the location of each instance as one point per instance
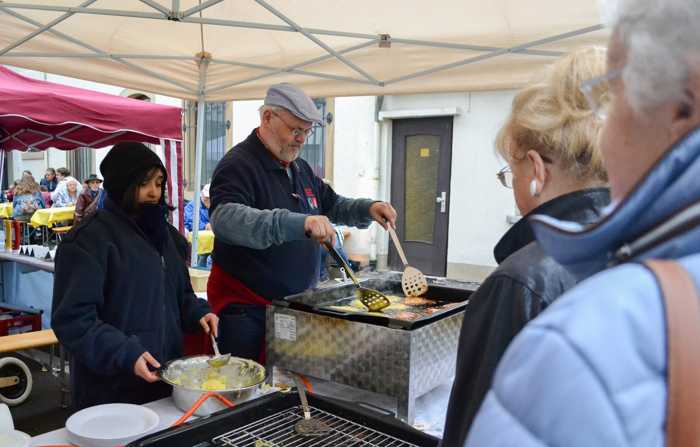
(174, 13)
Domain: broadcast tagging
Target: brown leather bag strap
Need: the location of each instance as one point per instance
(683, 341)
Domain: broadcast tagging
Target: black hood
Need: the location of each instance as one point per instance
(583, 207)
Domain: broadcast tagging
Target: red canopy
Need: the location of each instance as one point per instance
(40, 114)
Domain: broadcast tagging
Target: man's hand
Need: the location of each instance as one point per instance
(207, 227)
(210, 323)
(319, 228)
(141, 367)
(383, 212)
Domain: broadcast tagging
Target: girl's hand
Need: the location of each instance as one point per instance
(210, 323)
(141, 367)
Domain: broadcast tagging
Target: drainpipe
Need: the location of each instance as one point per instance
(374, 236)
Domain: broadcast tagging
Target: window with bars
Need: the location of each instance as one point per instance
(313, 150)
(215, 134)
(215, 128)
(215, 137)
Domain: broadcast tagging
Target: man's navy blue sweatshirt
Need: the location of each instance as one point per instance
(258, 211)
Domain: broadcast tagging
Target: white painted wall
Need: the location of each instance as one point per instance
(245, 119)
(356, 161)
(478, 204)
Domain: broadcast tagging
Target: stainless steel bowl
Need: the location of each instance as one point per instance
(247, 376)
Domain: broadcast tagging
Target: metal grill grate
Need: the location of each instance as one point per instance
(277, 430)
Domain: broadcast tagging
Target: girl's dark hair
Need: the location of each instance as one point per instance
(130, 202)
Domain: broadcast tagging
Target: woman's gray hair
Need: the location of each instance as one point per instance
(662, 38)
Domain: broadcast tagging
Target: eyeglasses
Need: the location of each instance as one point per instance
(597, 91)
(505, 176)
(296, 131)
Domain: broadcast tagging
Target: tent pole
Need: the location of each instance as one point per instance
(199, 154)
(3, 155)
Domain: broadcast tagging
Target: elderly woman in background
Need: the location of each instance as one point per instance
(27, 199)
(592, 370)
(550, 142)
(67, 196)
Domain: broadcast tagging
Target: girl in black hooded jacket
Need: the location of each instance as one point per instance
(122, 293)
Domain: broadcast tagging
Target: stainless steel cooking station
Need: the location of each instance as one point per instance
(400, 359)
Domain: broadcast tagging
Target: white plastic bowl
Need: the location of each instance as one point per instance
(14, 438)
(110, 425)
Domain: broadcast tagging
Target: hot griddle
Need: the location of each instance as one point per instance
(448, 300)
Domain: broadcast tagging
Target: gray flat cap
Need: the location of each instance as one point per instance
(294, 100)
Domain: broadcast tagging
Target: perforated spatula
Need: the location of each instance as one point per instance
(413, 281)
(374, 300)
(308, 426)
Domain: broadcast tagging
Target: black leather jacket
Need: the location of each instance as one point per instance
(524, 284)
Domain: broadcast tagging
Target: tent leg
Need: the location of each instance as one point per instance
(199, 155)
(3, 155)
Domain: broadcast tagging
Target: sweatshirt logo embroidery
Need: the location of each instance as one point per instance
(311, 198)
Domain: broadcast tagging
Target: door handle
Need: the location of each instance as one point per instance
(442, 200)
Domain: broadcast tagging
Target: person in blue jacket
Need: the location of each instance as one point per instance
(203, 211)
(592, 369)
(122, 293)
(555, 168)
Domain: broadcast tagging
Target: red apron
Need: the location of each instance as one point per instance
(223, 289)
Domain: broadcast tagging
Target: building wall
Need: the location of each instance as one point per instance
(245, 119)
(479, 205)
(356, 164)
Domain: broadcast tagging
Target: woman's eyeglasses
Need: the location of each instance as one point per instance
(505, 176)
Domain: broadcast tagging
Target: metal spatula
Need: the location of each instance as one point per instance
(413, 281)
(374, 300)
(308, 426)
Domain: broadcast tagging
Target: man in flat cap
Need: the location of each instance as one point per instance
(269, 212)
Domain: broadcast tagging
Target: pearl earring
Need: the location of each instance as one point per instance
(533, 189)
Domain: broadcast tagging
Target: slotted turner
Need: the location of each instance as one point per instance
(374, 300)
(308, 426)
(413, 281)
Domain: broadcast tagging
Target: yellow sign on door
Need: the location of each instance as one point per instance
(425, 152)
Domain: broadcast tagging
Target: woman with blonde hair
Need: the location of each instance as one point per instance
(550, 142)
(27, 199)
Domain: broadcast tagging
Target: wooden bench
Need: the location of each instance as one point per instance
(32, 340)
(27, 340)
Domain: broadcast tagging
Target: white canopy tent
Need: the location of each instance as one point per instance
(213, 50)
